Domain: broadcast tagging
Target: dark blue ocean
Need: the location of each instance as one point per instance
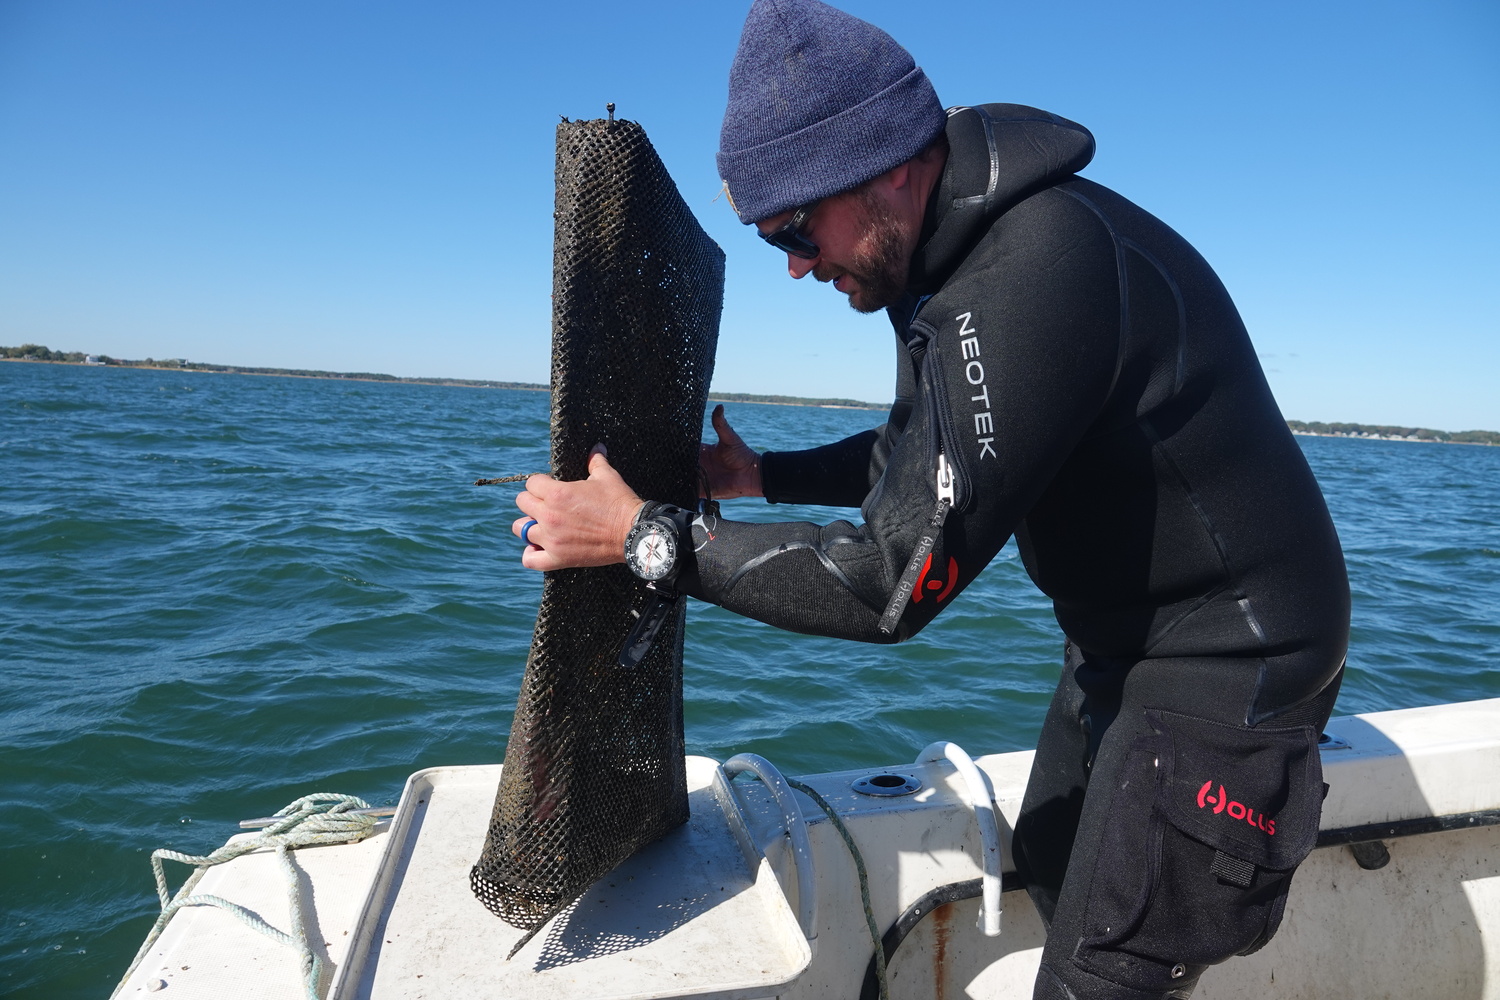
(219, 592)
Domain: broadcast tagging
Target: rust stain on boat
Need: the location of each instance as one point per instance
(942, 927)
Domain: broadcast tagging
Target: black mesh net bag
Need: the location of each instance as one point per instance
(594, 766)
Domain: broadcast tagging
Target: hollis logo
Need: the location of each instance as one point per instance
(942, 587)
(1237, 810)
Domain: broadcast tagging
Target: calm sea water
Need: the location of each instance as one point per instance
(219, 592)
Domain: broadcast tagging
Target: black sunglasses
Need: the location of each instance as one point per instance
(788, 236)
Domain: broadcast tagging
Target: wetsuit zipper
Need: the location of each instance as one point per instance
(937, 399)
(948, 486)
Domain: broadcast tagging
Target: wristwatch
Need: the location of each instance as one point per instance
(651, 547)
(653, 551)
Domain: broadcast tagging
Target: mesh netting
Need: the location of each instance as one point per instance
(594, 765)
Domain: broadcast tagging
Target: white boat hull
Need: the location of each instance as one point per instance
(716, 916)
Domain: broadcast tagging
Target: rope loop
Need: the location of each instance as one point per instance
(316, 819)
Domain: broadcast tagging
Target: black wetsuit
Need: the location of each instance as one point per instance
(1088, 380)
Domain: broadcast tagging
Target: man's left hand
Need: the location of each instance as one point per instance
(580, 523)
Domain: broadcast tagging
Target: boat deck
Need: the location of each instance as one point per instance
(711, 910)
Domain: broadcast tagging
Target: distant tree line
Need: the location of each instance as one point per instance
(36, 352)
(1393, 432)
(750, 397)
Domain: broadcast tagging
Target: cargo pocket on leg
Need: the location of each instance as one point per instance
(1233, 812)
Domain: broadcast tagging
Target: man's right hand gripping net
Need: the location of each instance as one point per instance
(594, 765)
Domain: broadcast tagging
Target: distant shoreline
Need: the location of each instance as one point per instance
(1366, 432)
(207, 369)
(1377, 437)
(1385, 432)
(202, 368)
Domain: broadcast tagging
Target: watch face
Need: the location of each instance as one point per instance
(652, 550)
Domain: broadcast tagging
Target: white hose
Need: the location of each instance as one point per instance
(982, 801)
(796, 828)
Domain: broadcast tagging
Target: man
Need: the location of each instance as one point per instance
(1073, 374)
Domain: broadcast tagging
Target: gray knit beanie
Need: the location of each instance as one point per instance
(819, 102)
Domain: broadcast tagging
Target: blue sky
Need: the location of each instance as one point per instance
(367, 186)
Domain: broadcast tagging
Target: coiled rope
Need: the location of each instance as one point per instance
(320, 818)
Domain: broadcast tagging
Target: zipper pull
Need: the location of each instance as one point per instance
(944, 479)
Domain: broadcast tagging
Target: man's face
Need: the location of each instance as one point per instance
(863, 248)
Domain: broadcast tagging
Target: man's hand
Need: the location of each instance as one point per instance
(733, 467)
(581, 523)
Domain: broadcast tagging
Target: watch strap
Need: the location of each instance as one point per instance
(638, 643)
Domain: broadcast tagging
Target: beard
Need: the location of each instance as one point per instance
(878, 263)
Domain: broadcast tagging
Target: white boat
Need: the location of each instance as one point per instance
(750, 900)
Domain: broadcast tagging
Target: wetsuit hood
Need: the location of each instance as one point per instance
(998, 154)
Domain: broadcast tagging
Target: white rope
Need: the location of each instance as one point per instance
(320, 818)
